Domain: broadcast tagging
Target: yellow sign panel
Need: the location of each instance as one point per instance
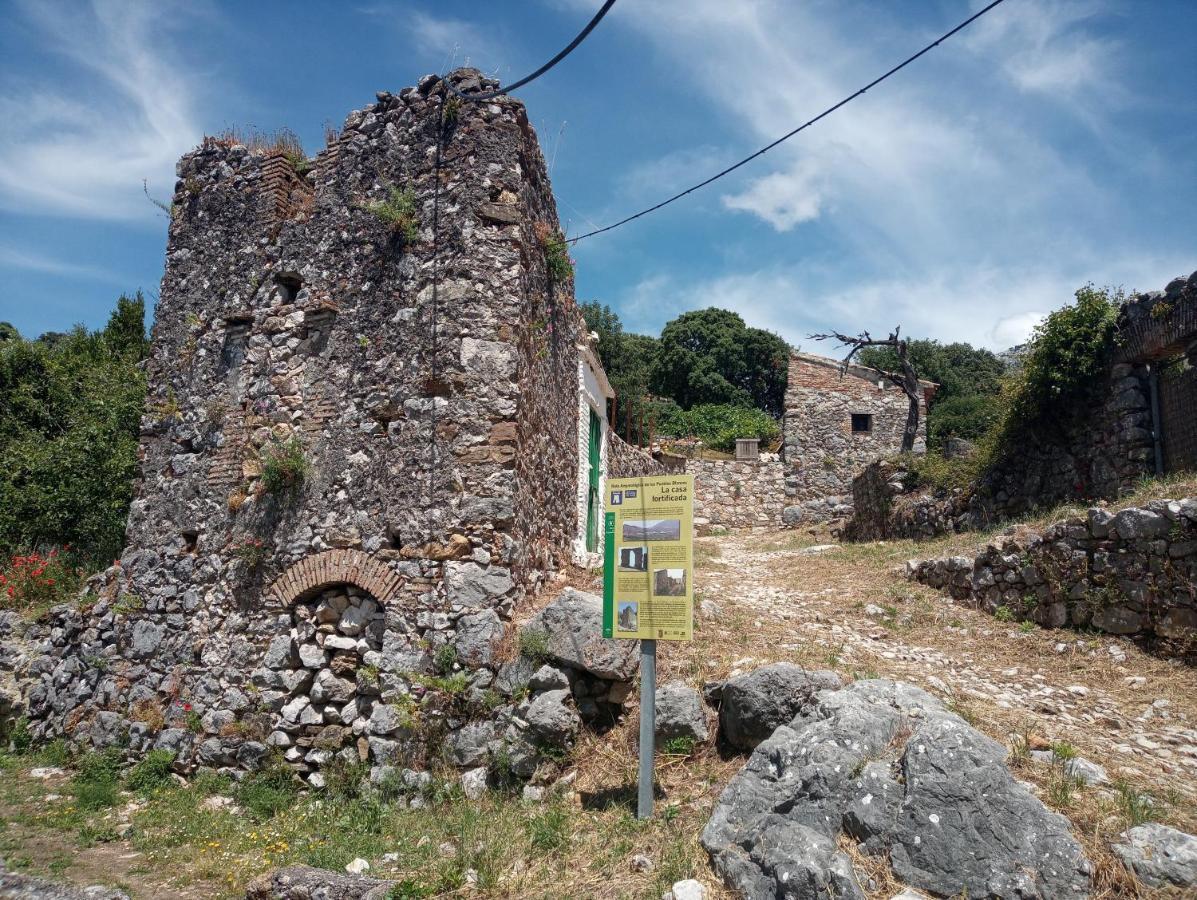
(648, 571)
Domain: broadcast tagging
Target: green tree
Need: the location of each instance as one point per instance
(69, 417)
(125, 332)
(711, 356)
(966, 404)
(628, 359)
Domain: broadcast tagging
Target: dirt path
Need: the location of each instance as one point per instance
(849, 608)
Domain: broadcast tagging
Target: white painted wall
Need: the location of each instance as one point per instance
(593, 392)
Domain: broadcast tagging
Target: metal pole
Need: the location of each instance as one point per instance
(648, 724)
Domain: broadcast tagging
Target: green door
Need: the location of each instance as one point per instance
(592, 496)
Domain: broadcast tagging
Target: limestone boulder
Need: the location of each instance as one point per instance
(1161, 856)
(680, 713)
(478, 636)
(885, 765)
(551, 720)
(573, 628)
(307, 883)
(754, 704)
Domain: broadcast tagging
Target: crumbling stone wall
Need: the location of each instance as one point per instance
(739, 493)
(1133, 572)
(424, 389)
(1112, 446)
(627, 461)
(821, 448)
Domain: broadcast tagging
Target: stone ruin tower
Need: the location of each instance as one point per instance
(359, 454)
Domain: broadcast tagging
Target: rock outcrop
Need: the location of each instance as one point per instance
(307, 883)
(1161, 856)
(885, 765)
(753, 705)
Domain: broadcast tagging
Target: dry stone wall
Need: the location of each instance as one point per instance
(1132, 572)
(627, 461)
(352, 455)
(739, 493)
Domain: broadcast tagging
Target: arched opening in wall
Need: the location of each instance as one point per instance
(322, 665)
(289, 284)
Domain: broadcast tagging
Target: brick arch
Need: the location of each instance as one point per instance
(331, 567)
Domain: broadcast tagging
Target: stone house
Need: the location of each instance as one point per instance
(375, 425)
(836, 422)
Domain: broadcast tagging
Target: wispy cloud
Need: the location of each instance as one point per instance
(949, 200)
(444, 41)
(33, 261)
(123, 112)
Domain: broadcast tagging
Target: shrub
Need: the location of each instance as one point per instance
(718, 425)
(268, 792)
(152, 772)
(252, 552)
(445, 658)
(284, 466)
(398, 213)
(31, 583)
(1065, 364)
(70, 413)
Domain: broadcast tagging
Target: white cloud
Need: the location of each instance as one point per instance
(32, 261)
(1013, 330)
(124, 114)
(1045, 47)
(947, 200)
(443, 41)
(783, 199)
(990, 307)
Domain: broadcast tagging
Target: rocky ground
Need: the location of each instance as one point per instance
(763, 598)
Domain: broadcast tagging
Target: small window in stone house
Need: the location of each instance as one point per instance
(288, 286)
(862, 423)
(236, 338)
(317, 326)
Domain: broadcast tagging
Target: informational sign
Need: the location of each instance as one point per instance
(648, 572)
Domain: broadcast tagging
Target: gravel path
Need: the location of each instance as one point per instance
(848, 607)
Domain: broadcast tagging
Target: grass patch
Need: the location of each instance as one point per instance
(534, 644)
(152, 772)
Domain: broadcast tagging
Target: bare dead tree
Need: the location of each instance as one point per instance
(907, 379)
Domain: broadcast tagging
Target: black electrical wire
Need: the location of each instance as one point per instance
(490, 95)
(787, 136)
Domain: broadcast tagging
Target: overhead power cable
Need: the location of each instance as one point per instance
(490, 95)
(788, 135)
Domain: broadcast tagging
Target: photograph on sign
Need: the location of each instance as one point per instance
(648, 589)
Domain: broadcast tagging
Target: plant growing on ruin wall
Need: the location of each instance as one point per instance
(557, 260)
(252, 552)
(398, 213)
(284, 466)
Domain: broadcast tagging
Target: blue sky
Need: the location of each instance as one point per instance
(1051, 144)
